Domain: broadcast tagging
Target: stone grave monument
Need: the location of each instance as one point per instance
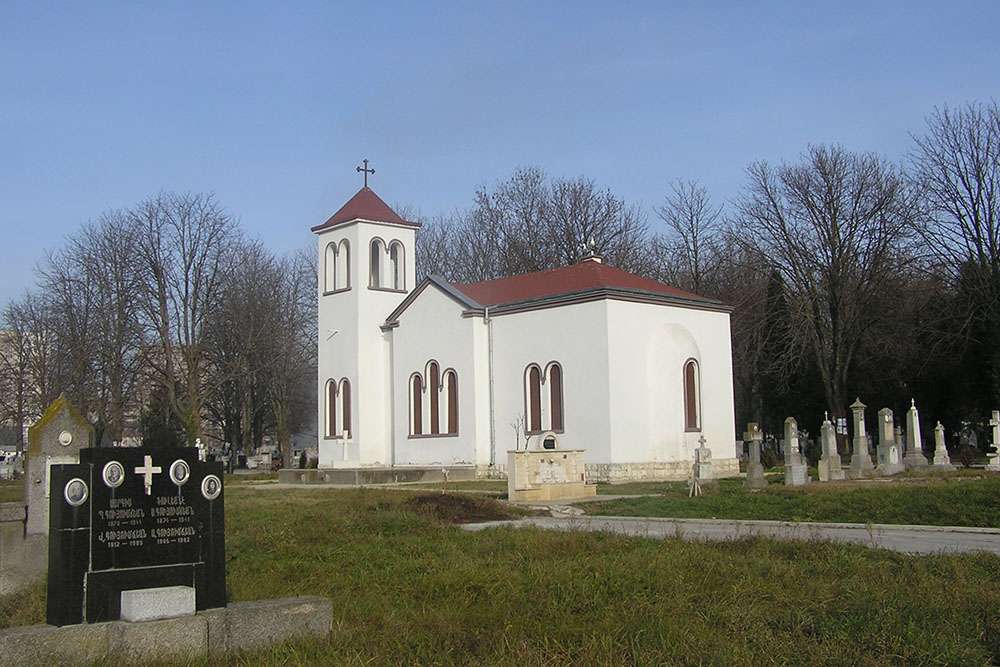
(941, 459)
(861, 459)
(755, 470)
(829, 463)
(137, 534)
(993, 451)
(57, 437)
(888, 447)
(914, 457)
(546, 471)
(796, 470)
(703, 463)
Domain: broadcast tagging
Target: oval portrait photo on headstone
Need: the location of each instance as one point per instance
(75, 492)
(113, 474)
(211, 487)
(179, 472)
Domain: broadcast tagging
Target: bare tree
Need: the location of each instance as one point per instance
(186, 253)
(693, 234)
(956, 163)
(835, 227)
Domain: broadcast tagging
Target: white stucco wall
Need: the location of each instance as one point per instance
(359, 350)
(648, 347)
(576, 337)
(432, 328)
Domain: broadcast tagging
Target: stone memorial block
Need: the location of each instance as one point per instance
(829, 463)
(796, 471)
(127, 519)
(755, 470)
(546, 471)
(941, 459)
(861, 459)
(886, 435)
(57, 437)
(993, 451)
(914, 457)
(703, 463)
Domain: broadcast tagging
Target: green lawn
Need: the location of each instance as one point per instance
(939, 500)
(409, 587)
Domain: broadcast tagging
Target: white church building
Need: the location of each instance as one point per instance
(447, 375)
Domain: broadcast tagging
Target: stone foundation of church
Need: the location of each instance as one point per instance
(617, 473)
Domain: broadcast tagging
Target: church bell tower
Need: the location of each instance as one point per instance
(365, 270)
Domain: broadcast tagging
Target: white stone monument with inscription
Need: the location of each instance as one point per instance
(914, 446)
(546, 471)
(829, 464)
(941, 459)
(796, 470)
(994, 455)
(861, 459)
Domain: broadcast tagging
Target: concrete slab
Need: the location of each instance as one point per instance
(150, 604)
(904, 539)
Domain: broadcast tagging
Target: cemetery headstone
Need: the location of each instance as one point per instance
(796, 471)
(755, 470)
(703, 463)
(134, 519)
(941, 459)
(888, 450)
(886, 435)
(57, 437)
(900, 440)
(914, 447)
(861, 459)
(993, 451)
(829, 463)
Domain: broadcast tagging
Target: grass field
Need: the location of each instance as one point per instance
(939, 500)
(409, 587)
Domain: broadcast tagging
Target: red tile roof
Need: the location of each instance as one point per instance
(585, 276)
(365, 205)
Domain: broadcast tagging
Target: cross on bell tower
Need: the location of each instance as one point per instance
(366, 171)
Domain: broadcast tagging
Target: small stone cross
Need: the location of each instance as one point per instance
(147, 470)
(701, 440)
(366, 171)
(343, 443)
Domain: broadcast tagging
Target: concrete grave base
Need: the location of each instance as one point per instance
(150, 604)
(239, 626)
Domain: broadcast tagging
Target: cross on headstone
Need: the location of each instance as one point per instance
(343, 444)
(147, 470)
(366, 171)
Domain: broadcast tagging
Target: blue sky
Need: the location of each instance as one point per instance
(271, 106)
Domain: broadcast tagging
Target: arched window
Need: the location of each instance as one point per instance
(330, 268)
(345, 407)
(396, 266)
(533, 396)
(555, 397)
(338, 409)
(451, 389)
(331, 408)
(374, 269)
(416, 405)
(692, 397)
(434, 387)
(343, 274)
(438, 415)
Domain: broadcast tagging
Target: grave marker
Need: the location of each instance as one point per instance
(941, 459)
(829, 463)
(861, 459)
(796, 471)
(914, 447)
(755, 470)
(993, 451)
(128, 519)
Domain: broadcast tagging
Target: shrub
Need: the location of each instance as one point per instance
(966, 455)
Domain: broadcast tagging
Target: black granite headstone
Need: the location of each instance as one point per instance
(131, 518)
